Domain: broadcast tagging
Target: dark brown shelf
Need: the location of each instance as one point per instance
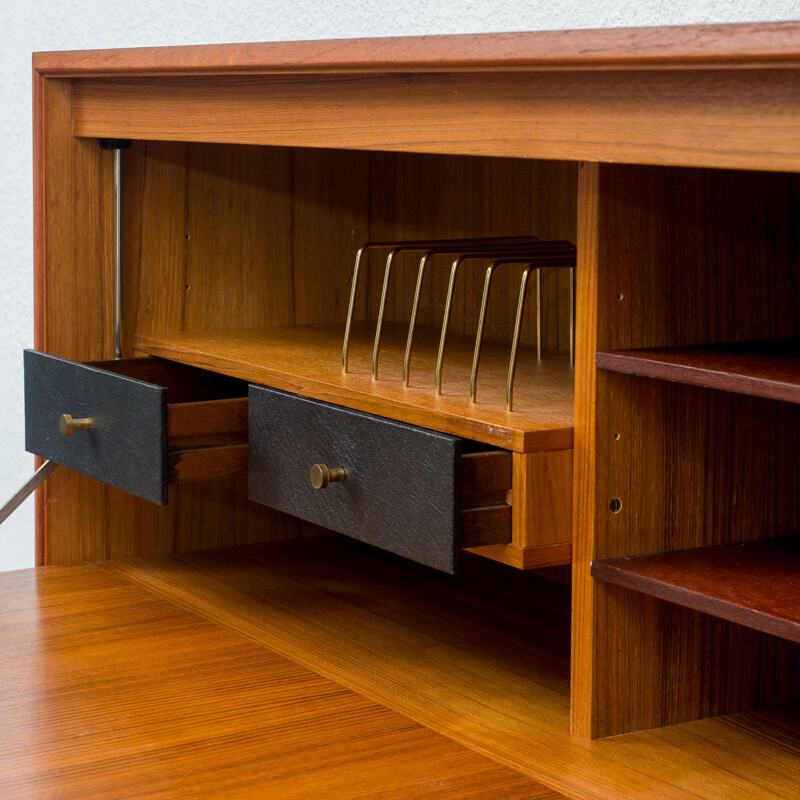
(768, 369)
(756, 584)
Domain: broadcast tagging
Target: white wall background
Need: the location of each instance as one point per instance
(27, 26)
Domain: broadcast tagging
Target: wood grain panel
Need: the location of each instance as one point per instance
(482, 658)
(112, 692)
(743, 119)
(732, 45)
(154, 206)
(688, 466)
(330, 221)
(239, 247)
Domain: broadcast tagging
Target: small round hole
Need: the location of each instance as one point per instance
(620, 295)
(617, 437)
(186, 287)
(186, 237)
(615, 505)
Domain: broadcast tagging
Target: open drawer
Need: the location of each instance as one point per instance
(138, 424)
(414, 492)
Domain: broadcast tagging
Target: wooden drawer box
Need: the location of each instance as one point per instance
(150, 422)
(408, 490)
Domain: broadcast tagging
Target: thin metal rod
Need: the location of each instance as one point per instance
(437, 388)
(572, 317)
(476, 357)
(512, 362)
(30, 486)
(353, 288)
(376, 346)
(118, 253)
(538, 316)
(412, 323)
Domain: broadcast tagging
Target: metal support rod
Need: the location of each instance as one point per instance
(376, 345)
(117, 253)
(538, 316)
(412, 323)
(512, 362)
(353, 288)
(33, 483)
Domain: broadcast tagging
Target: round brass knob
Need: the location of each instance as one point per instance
(67, 424)
(321, 476)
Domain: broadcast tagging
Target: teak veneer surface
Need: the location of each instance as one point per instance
(110, 691)
(756, 584)
(482, 658)
(742, 119)
(307, 360)
(761, 44)
(768, 369)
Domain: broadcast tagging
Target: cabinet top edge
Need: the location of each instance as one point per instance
(730, 46)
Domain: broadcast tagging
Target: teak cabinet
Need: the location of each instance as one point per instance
(667, 477)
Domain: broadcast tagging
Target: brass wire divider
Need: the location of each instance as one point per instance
(529, 251)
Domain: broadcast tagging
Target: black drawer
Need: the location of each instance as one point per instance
(150, 422)
(400, 488)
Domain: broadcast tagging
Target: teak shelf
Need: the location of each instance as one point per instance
(761, 369)
(307, 361)
(756, 584)
(253, 175)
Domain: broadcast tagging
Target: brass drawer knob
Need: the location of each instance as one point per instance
(321, 476)
(67, 424)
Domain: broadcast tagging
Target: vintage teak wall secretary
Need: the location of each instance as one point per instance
(662, 465)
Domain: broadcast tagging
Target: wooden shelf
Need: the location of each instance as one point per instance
(307, 361)
(768, 369)
(756, 584)
(482, 658)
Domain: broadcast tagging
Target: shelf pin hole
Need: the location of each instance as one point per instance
(615, 505)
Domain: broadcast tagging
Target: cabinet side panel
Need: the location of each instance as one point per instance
(73, 267)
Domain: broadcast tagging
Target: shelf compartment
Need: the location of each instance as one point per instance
(756, 584)
(769, 369)
(306, 360)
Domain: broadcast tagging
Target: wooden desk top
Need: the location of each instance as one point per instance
(110, 691)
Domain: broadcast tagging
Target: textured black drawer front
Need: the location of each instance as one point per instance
(126, 445)
(400, 490)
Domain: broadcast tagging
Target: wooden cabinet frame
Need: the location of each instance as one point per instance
(723, 97)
